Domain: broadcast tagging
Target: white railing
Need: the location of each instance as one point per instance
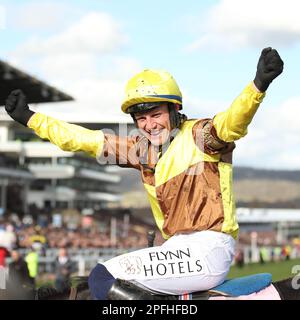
(86, 259)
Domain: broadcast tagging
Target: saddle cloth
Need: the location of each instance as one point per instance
(242, 285)
(233, 287)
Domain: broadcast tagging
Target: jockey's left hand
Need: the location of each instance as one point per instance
(269, 67)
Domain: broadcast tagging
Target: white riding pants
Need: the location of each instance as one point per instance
(185, 263)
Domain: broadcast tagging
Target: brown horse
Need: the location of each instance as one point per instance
(79, 291)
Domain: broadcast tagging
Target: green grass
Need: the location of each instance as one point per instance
(279, 270)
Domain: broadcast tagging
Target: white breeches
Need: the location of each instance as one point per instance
(185, 263)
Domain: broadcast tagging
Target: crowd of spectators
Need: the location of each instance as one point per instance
(80, 238)
(95, 232)
(63, 231)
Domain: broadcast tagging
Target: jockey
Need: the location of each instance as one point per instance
(186, 169)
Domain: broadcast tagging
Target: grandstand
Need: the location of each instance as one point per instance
(34, 172)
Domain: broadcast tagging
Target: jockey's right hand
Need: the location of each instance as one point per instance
(17, 107)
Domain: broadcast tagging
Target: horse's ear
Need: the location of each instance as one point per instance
(84, 295)
(79, 288)
(151, 238)
(73, 293)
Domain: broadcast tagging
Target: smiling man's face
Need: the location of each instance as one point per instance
(155, 124)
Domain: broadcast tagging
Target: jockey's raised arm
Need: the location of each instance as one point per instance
(67, 136)
(108, 148)
(232, 124)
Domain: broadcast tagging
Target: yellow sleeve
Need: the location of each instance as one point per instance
(68, 137)
(232, 124)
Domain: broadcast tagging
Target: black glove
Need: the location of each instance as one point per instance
(17, 107)
(269, 67)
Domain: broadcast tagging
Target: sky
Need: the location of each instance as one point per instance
(90, 49)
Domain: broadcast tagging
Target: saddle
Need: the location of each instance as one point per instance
(229, 288)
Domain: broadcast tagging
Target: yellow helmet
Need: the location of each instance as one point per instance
(151, 86)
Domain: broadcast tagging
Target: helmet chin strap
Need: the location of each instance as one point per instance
(176, 118)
